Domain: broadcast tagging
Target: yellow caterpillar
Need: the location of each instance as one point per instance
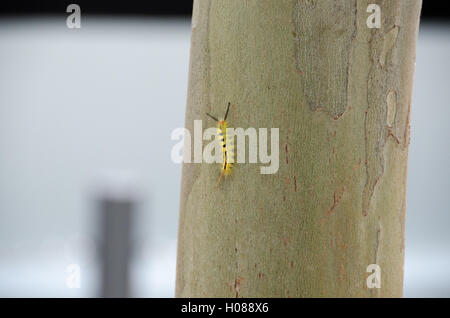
(226, 145)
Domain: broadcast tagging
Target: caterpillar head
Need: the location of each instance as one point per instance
(223, 125)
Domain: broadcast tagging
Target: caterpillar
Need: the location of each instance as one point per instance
(225, 144)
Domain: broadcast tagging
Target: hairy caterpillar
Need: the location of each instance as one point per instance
(225, 144)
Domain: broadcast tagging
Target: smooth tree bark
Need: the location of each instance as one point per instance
(340, 93)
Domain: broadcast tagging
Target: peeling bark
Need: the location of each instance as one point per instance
(340, 94)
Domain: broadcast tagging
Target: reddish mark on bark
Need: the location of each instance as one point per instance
(285, 241)
(337, 196)
(237, 284)
(284, 197)
(260, 275)
(295, 183)
(407, 131)
(292, 264)
(287, 151)
(320, 108)
(390, 133)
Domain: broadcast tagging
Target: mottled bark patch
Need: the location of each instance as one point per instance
(383, 92)
(323, 44)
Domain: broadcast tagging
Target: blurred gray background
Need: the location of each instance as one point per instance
(90, 111)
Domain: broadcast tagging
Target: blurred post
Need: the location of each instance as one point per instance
(116, 203)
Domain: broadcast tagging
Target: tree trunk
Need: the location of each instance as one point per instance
(340, 94)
